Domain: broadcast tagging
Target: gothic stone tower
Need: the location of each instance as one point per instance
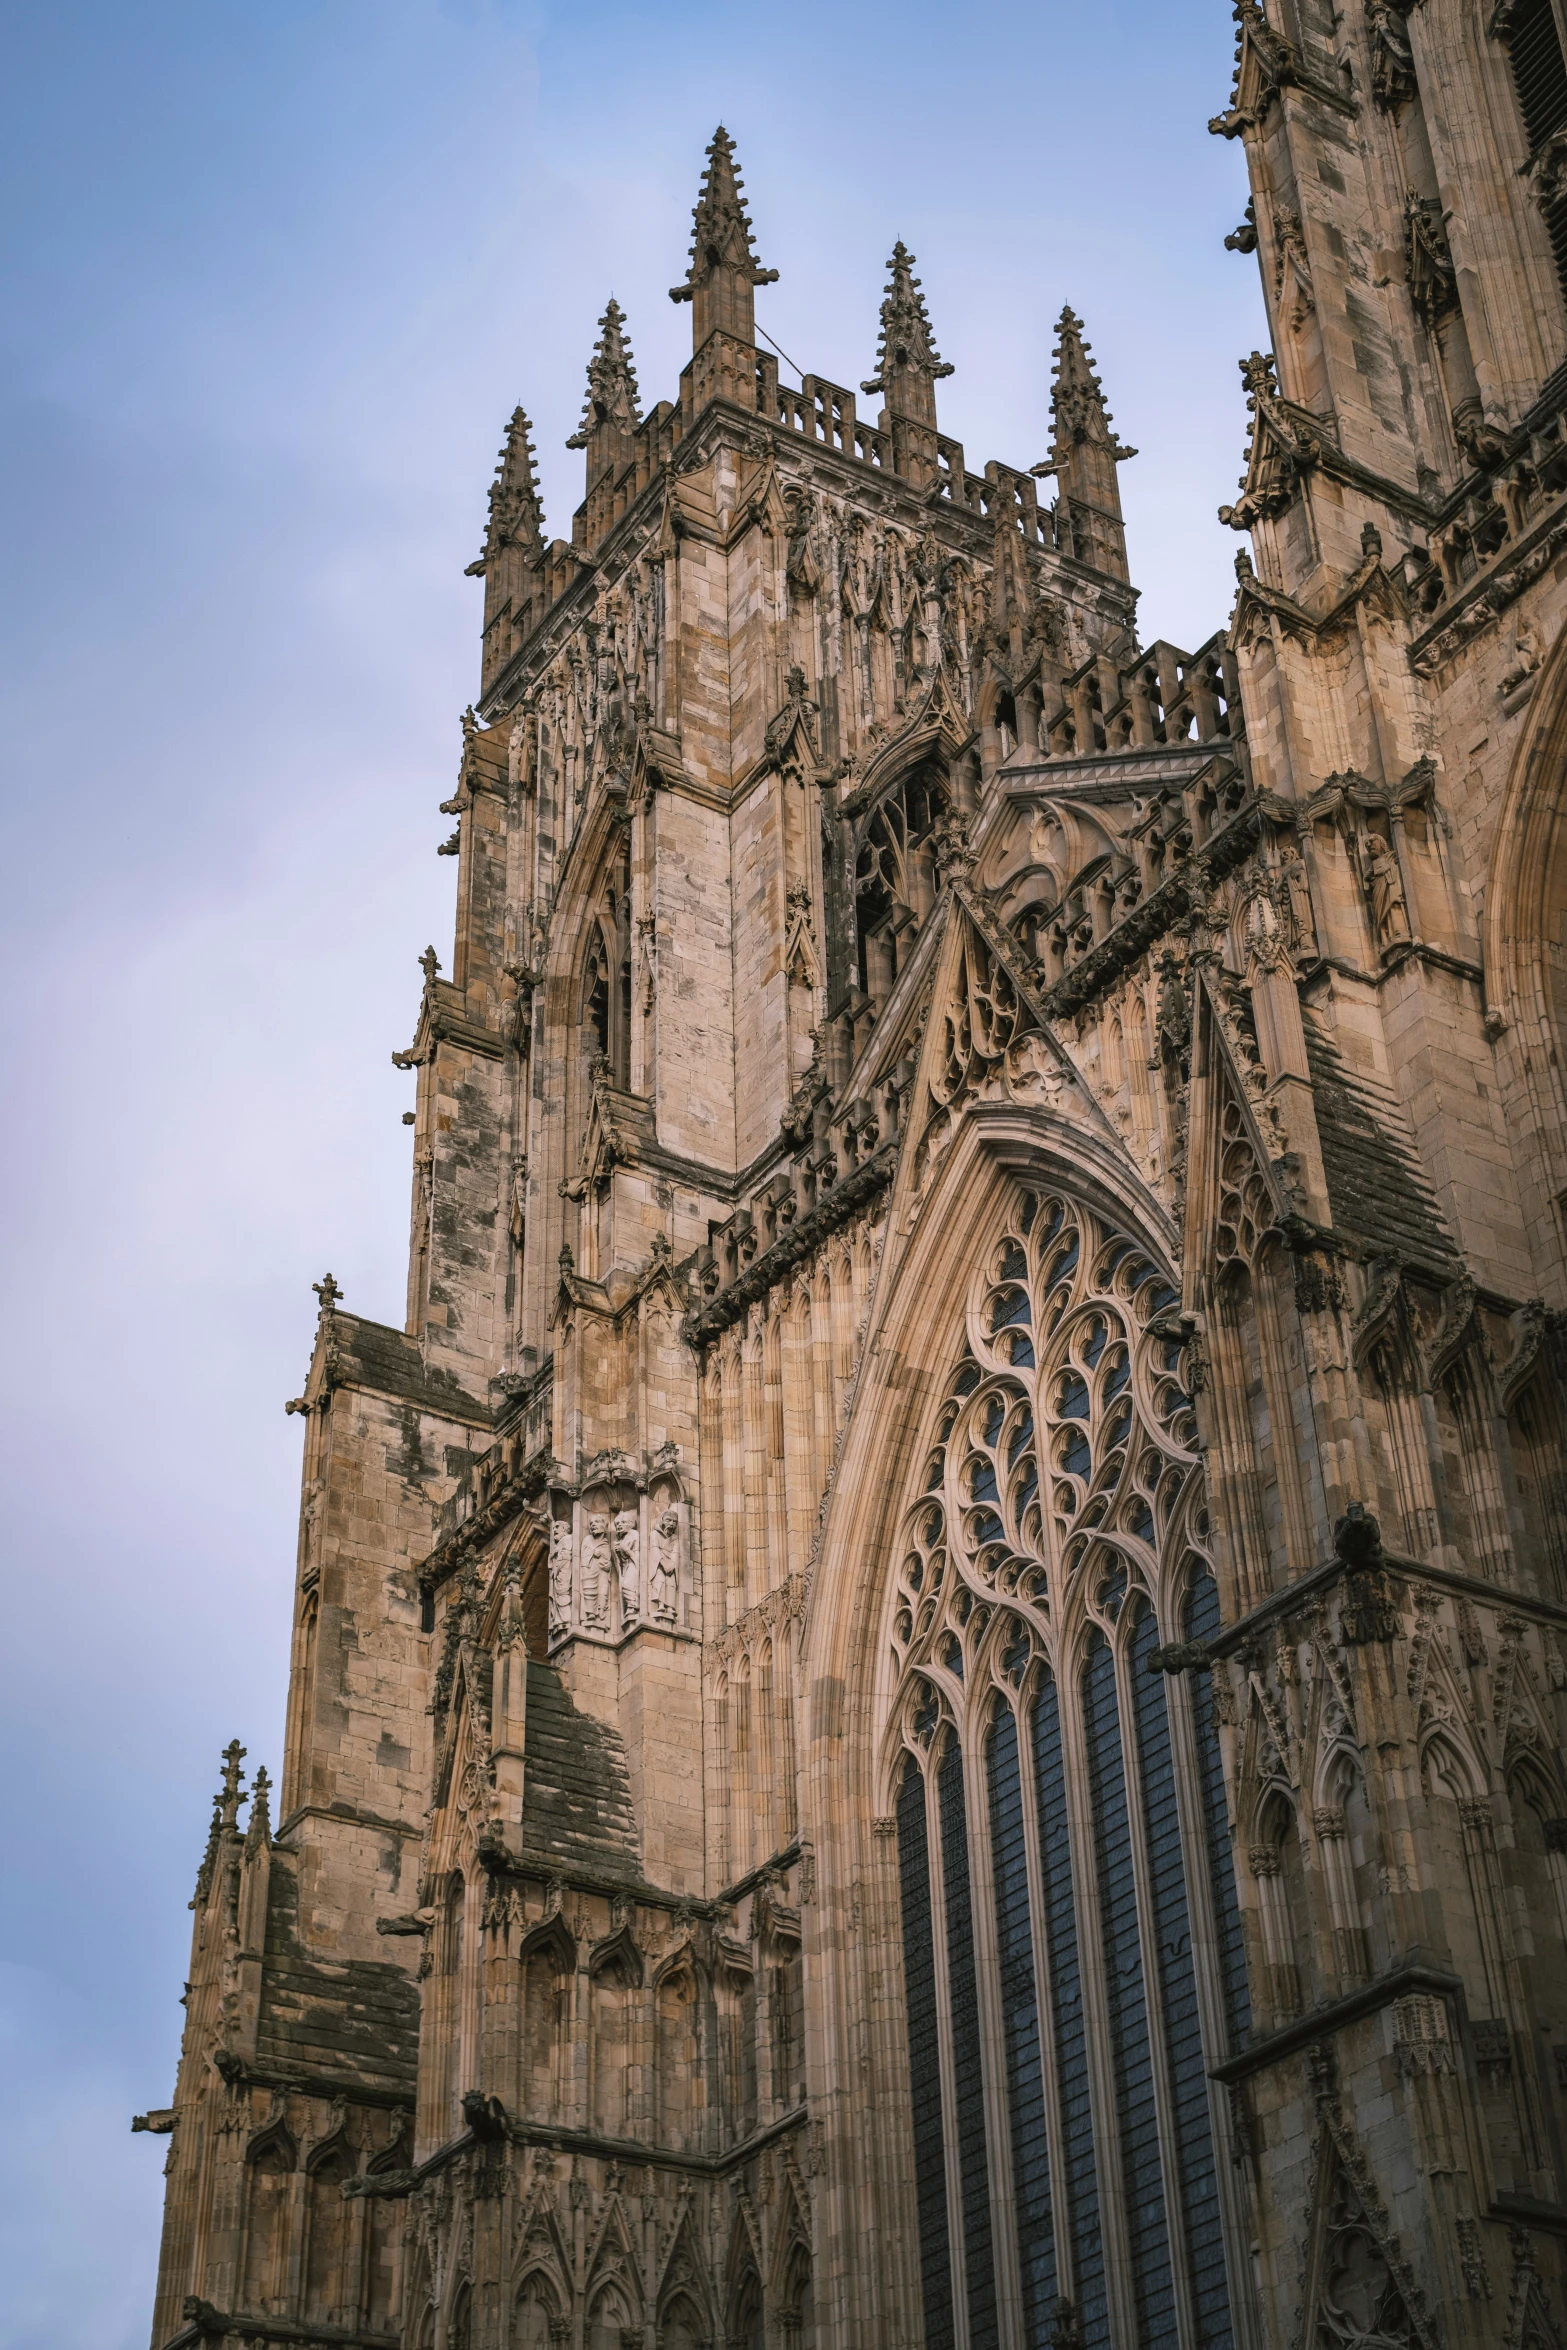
(928, 1681)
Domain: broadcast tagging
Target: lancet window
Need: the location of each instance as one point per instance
(1072, 1947)
(895, 878)
(606, 979)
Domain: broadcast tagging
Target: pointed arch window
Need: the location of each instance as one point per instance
(1059, 1523)
(604, 1009)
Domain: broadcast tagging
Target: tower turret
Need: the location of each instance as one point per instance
(721, 283)
(1084, 453)
(511, 562)
(907, 366)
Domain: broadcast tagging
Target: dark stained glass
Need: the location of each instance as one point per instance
(1142, 2180)
(969, 2079)
(919, 1981)
(1197, 2183)
(1020, 2019)
(1081, 2195)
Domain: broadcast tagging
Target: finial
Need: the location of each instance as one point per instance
(516, 516)
(328, 1292)
(906, 346)
(612, 381)
(233, 1778)
(512, 1631)
(258, 1833)
(721, 232)
(1077, 402)
(429, 964)
(1257, 376)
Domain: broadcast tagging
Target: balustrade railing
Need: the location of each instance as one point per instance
(1163, 696)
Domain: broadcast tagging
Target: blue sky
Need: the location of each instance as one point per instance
(275, 273)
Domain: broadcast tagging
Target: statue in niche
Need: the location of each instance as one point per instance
(804, 571)
(932, 585)
(628, 1564)
(1297, 895)
(1385, 893)
(596, 1570)
(560, 1577)
(663, 1584)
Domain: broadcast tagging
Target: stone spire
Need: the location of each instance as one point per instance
(611, 414)
(724, 272)
(516, 517)
(907, 360)
(1084, 454)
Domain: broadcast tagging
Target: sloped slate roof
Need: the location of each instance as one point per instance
(577, 1790)
(1376, 1188)
(357, 2019)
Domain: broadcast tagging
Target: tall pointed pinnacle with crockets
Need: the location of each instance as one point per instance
(907, 360)
(516, 517)
(721, 280)
(907, 366)
(610, 415)
(511, 561)
(1083, 456)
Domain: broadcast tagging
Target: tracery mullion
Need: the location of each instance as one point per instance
(922, 2009)
(1099, 2275)
(1174, 2154)
(992, 2029)
(942, 1974)
(1217, 1954)
(1046, 2275)
(1124, 2329)
(970, 2075)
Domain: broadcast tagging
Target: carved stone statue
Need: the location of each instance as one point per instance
(1297, 888)
(1385, 893)
(597, 1567)
(628, 1564)
(560, 1578)
(663, 1583)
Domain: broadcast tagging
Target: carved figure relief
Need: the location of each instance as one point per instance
(664, 1568)
(597, 1571)
(628, 1565)
(561, 1566)
(1384, 893)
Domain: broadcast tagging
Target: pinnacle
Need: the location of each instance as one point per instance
(232, 1793)
(721, 231)
(1077, 401)
(516, 514)
(612, 380)
(259, 1831)
(906, 344)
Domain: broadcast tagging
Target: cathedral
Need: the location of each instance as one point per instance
(929, 1676)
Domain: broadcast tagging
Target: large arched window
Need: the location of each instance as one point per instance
(1072, 1949)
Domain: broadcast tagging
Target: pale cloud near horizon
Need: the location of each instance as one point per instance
(277, 271)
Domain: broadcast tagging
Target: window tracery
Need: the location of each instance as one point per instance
(895, 877)
(1059, 1523)
(605, 1010)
